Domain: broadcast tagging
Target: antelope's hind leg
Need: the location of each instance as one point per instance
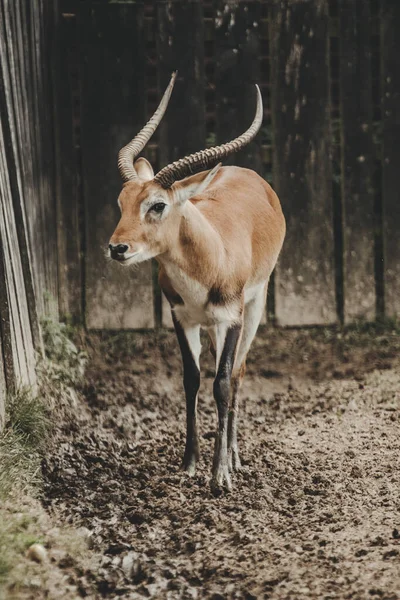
(253, 311)
(189, 342)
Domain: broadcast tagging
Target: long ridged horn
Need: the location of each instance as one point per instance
(129, 152)
(205, 159)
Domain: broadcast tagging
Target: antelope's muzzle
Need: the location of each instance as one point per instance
(117, 251)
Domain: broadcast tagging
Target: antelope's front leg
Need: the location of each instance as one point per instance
(189, 342)
(226, 339)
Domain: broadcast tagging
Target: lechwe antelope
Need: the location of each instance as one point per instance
(216, 235)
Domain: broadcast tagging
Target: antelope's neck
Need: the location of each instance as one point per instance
(198, 252)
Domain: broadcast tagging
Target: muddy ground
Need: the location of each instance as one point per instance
(315, 513)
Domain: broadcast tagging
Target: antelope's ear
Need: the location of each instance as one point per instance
(144, 169)
(195, 185)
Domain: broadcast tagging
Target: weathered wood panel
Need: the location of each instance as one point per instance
(29, 105)
(16, 331)
(9, 111)
(180, 45)
(305, 292)
(113, 111)
(226, 83)
(357, 161)
(6, 378)
(68, 190)
(237, 69)
(390, 65)
(19, 321)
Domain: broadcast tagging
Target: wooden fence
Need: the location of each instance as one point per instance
(28, 242)
(330, 81)
(79, 78)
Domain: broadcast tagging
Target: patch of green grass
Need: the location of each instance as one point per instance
(18, 531)
(60, 371)
(27, 432)
(28, 421)
(28, 418)
(63, 359)
(5, 568)
(24, 437)
(19, 465)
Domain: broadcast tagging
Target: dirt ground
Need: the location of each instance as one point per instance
(315, 512)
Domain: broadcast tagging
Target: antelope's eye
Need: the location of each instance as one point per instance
(158, 208)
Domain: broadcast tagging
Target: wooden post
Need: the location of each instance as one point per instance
(357, 161)
(305, 291)
(32, 52)
(390, 73)
(68, 189)
(113, 111)
(7, 371)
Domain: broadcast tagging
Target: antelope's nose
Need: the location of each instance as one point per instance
(118, 250)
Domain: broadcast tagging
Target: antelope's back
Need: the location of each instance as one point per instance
(246, 212)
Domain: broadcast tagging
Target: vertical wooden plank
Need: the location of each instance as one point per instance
(41, 222)
(180, 44)
(248, 74)
(8, 111)
(28, 102)
(3, 389)
(226, 83)
(7, 372)
(357, 160)
(113, 111)
(390, 72)
(23, 358)
(16, 326)
(41, 72)
(305, 293)
(67, 167)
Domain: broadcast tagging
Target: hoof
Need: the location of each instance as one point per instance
(189, 469)
(221, 482)
(189, 465)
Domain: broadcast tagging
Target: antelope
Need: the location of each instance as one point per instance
(216, 233)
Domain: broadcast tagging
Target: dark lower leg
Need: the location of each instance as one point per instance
(222, 393)
(191, 455)
(191, 383)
